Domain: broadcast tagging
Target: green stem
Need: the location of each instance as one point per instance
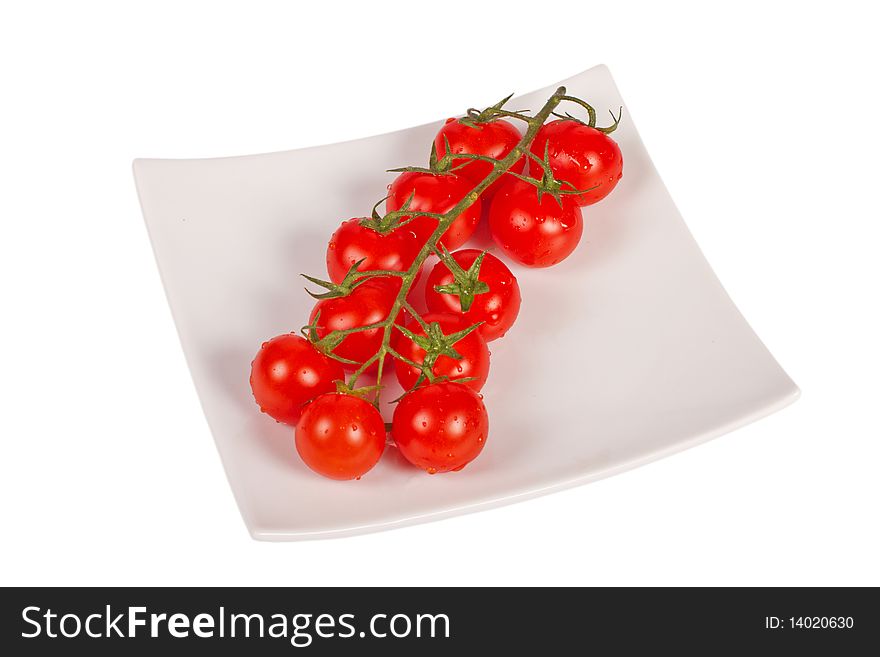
(356, 329)
(352, 380)
(591, 112)
(374, 273)
(412, 311)
(403, 358)
(511, 115)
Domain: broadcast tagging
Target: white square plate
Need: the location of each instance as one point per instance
(628, 351)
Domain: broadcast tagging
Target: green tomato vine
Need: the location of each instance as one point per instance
(436, 343)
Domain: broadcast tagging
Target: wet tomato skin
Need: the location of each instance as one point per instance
(494, 139)
(436, 193)
(532, 232)
(288, 372)
(353, 242)
(583, 156)
(340, 436)
(441, 427)
(497, 308)
(367, 304)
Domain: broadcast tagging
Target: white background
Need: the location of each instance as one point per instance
(762, 118)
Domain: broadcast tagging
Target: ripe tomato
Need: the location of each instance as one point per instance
(435, 193)
(580, 155)
(474, 353)
(497, 308)
(340, 436)
(534, 233)
(287, 372)
(493, 139)
(440, 427)
(367, 304)
(352, 242)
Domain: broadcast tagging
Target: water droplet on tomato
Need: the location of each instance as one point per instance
(431, 471)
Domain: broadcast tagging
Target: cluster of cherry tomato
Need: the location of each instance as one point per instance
(440, 358)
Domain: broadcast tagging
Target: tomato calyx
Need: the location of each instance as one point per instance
(328, 343)
(437, 166)
(395, 219)
(475, 117)
(466, 284)
(591, 115)
(352, 279)
(385, 223)
(548, 183)
(435, 344)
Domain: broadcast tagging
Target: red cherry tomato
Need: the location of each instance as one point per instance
(580, 155)
(435, 193)
(474, 353)
(534, 233)
(352, 242)
(497, 308)
(494, 139)
(440, 427)
(288, 372)
(368, 303)
(340, 436)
